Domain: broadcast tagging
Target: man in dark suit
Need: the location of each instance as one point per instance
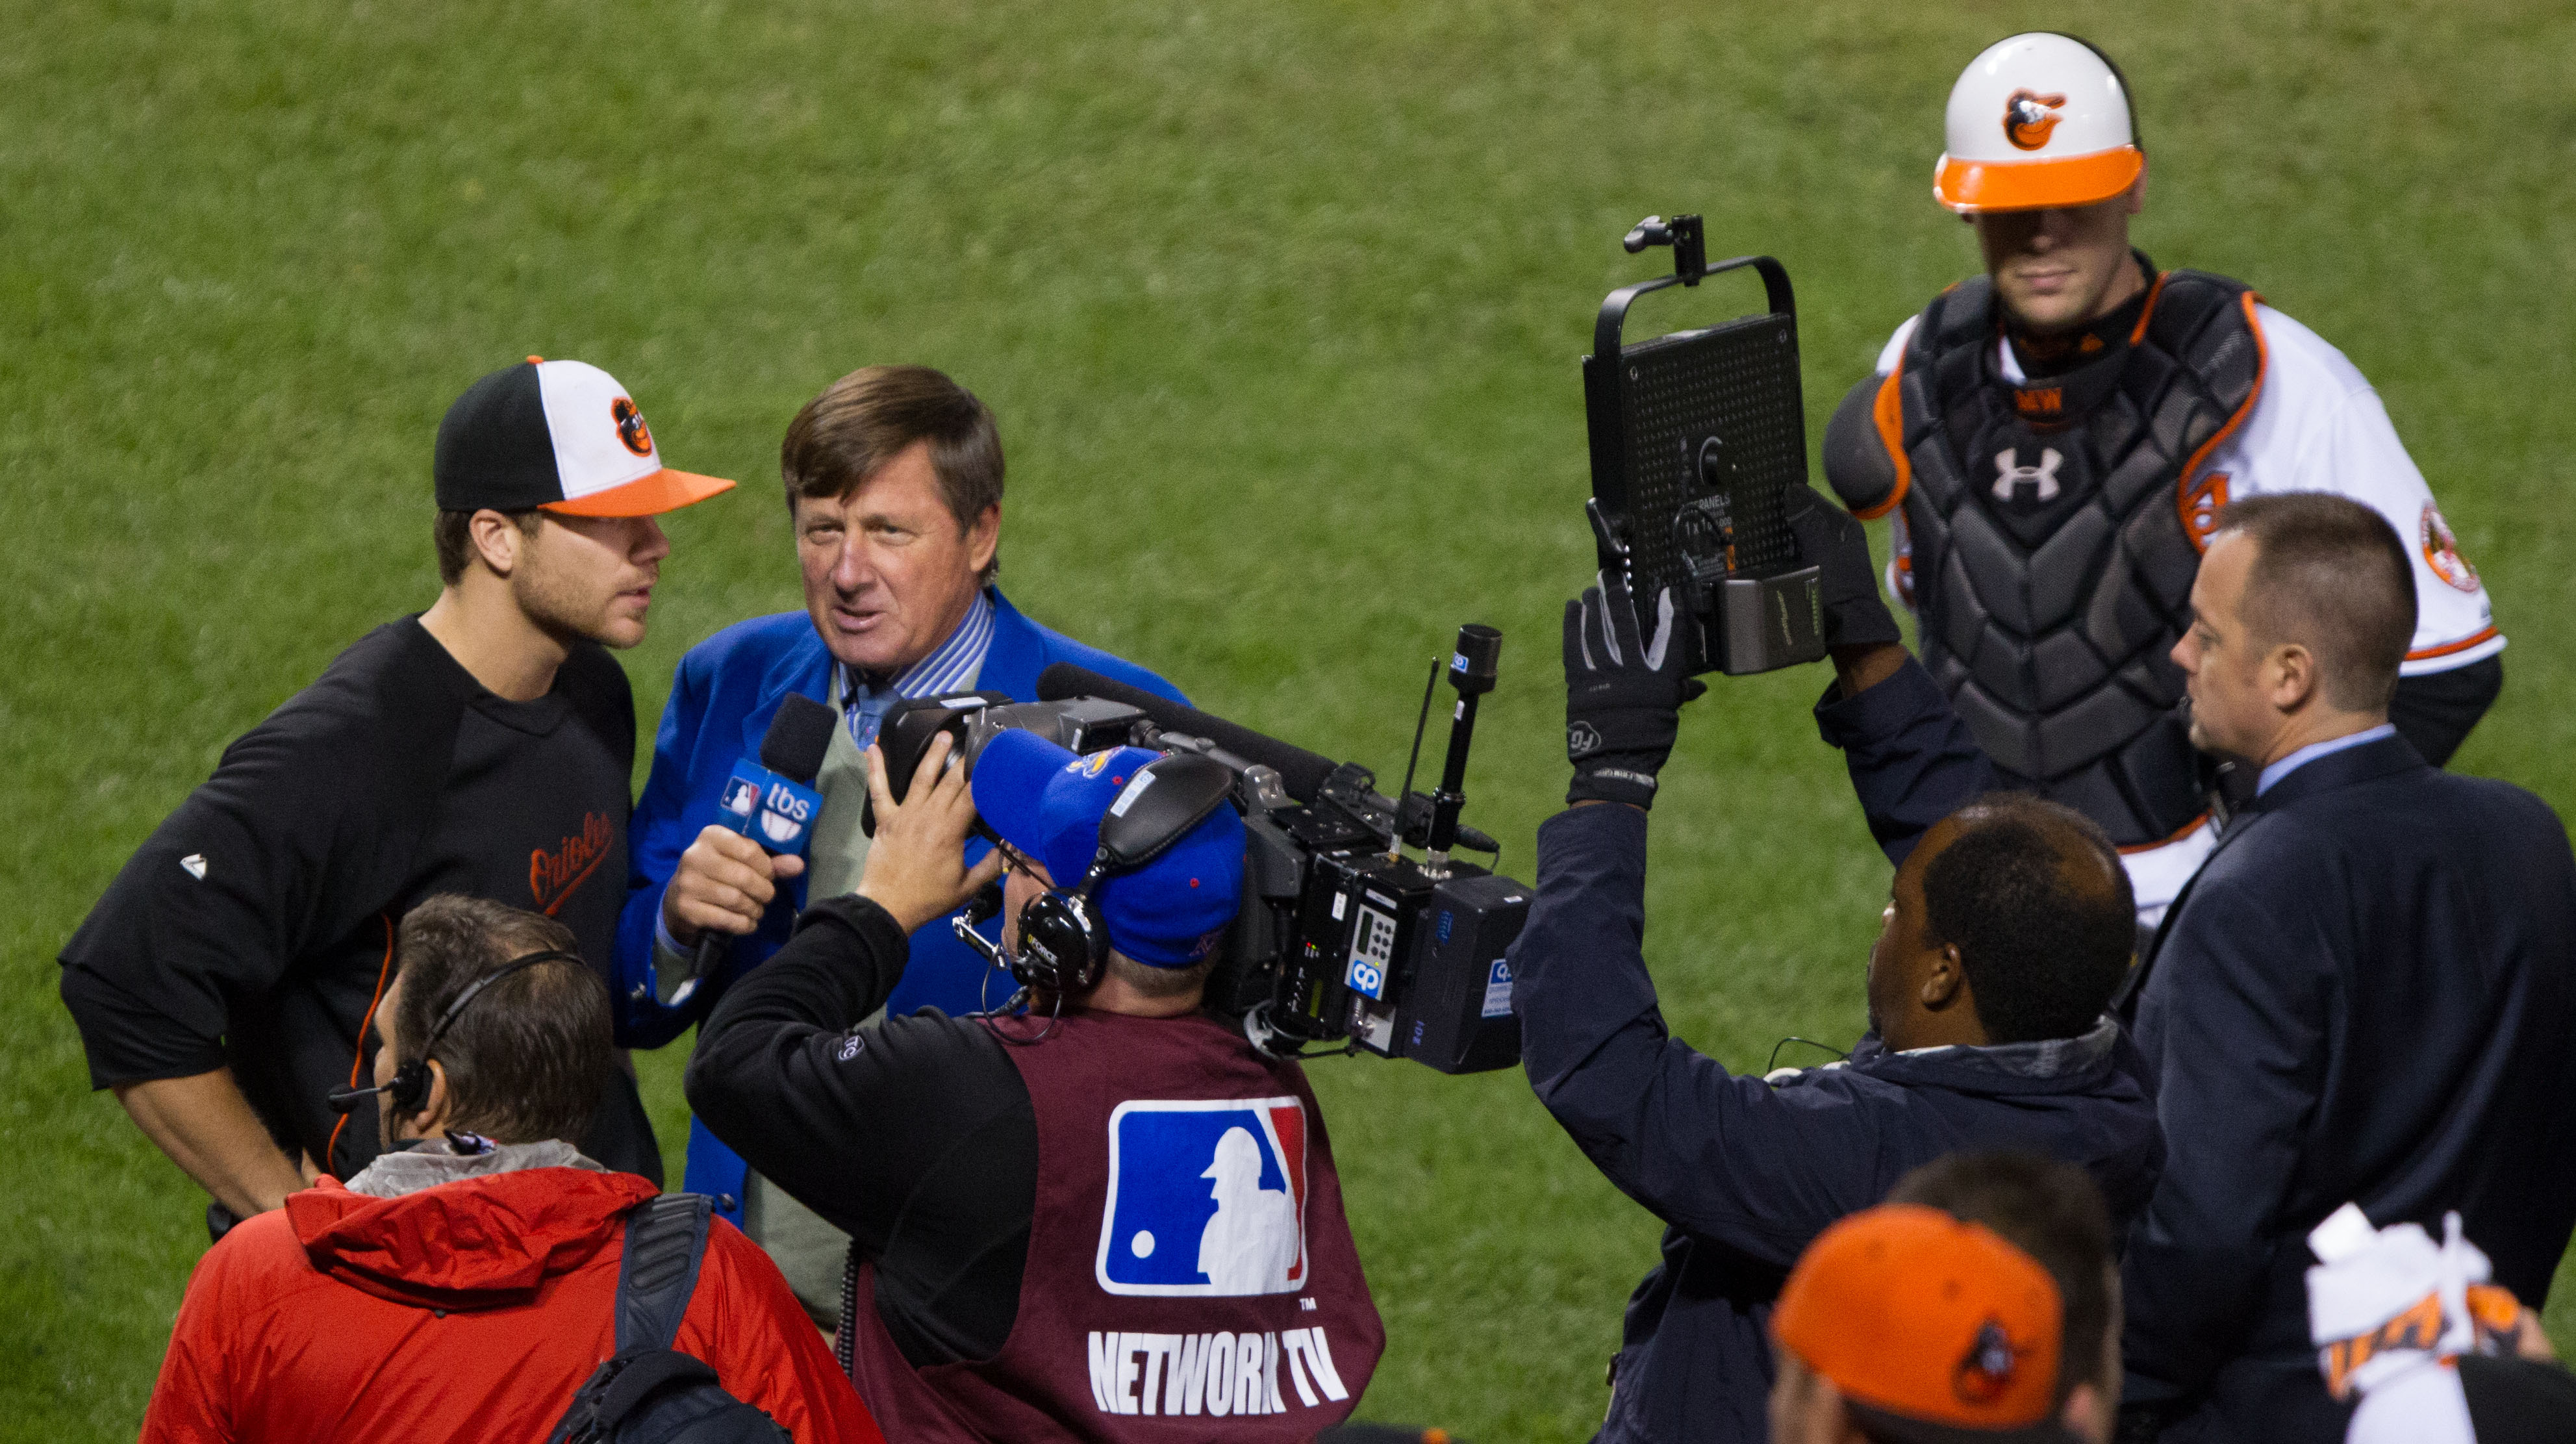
(2366, 993)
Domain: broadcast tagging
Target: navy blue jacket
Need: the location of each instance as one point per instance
(1745, 1173)
(2367, 994)
(1912, 761)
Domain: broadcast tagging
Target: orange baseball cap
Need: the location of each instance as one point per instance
(1934, 1330)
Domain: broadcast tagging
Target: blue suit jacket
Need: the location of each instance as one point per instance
(726, 691)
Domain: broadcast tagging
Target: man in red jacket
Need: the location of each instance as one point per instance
(462, 1288)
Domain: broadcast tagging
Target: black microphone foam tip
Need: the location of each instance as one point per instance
(797, 738)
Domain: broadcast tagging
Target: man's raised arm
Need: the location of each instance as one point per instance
(1912, 761)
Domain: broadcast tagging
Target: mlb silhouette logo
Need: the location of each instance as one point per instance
(1206, 1198)
(741, 795)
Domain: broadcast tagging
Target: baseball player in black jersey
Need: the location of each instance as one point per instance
(225, 983)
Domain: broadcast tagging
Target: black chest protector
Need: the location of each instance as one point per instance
(2056, 528)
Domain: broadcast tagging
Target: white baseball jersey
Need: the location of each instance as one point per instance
(2316, 425)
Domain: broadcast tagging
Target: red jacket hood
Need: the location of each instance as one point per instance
(477, 1243)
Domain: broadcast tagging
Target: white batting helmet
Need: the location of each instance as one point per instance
(2037, 120)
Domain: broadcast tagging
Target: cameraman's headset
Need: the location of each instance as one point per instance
(409, 1092)
(1064, 946)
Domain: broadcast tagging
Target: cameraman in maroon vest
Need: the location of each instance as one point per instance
(1104, 1215)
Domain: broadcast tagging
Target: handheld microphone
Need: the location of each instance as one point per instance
(773, 801)
(1302, 774)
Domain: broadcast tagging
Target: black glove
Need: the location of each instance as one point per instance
(1624, 690)
(1834, 539)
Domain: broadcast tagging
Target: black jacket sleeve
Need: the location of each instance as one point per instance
(851, 1121)
(1912, 761)
(914, 1136)
(2436, 711)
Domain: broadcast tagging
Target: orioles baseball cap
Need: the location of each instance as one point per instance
(1047, 803)
(2037, 120)
(1936, 1331)
(562, 436)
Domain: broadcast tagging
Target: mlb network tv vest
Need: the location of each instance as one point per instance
(2056, 527)
(1190, 1272)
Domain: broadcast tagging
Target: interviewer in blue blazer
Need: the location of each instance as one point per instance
(894, 483)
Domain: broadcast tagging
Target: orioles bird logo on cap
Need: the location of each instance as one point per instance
(630, 426)
(2029, 116)
(1986, 1370)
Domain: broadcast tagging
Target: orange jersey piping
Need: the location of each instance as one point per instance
(2447, 648)
(1888, 410)
(2200, 458)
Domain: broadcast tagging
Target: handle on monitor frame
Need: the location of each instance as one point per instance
(1614, 307)
(1602, 379)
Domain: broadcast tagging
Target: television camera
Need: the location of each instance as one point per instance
(1344, 938)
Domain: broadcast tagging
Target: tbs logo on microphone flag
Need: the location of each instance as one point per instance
(767, 808)
(1206, 1198)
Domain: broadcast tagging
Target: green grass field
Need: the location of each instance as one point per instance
(1279, 305)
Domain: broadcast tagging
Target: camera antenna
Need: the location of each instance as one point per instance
(1472, 672)
(1395, 825)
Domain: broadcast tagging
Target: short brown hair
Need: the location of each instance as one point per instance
(846, 436)
(454, 534)
(2330, 574)
(2050, 1210)
(528, 1059)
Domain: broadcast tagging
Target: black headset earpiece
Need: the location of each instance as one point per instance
(1063, 948)
(409, 1092)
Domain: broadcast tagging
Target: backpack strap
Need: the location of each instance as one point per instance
(666, 1240)
(649, 1375)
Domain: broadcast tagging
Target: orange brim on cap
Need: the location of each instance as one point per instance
(1893, 1305)
(649, 495)
(1969, 186)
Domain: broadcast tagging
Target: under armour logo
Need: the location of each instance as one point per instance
(2009, 474)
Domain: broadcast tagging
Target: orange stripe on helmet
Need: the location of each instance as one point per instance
(1969, 186)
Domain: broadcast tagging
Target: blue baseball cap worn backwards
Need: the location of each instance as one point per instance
(1047, 803)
